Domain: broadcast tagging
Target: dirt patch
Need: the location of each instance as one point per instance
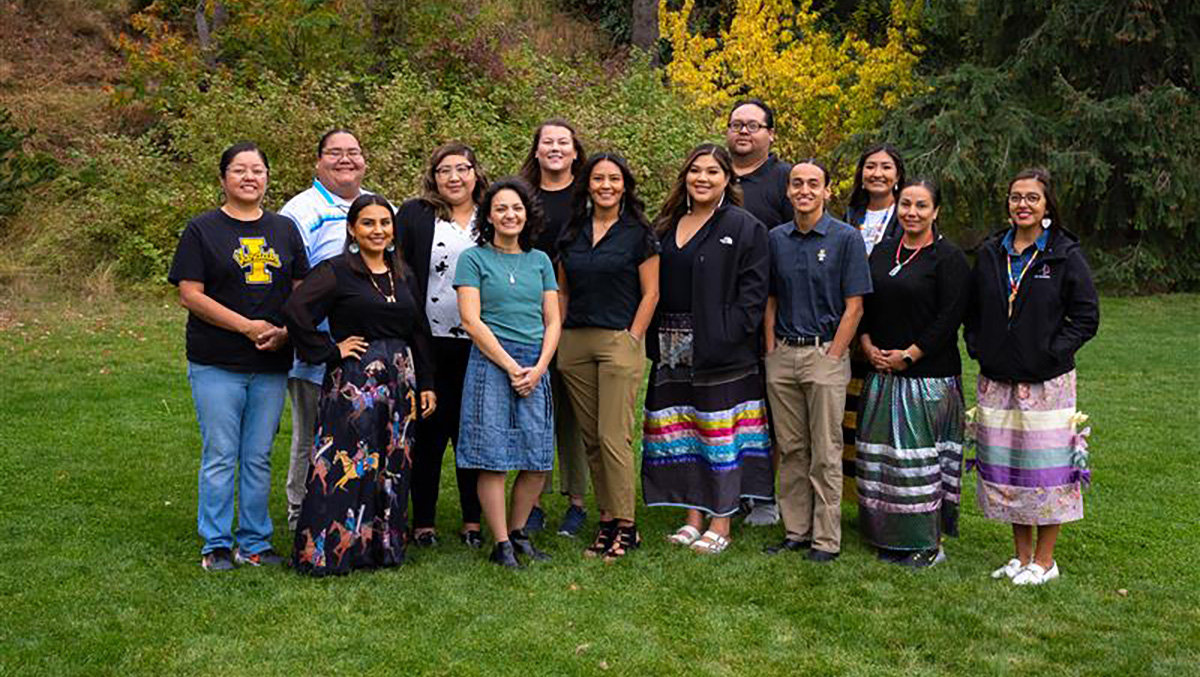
(54, 65)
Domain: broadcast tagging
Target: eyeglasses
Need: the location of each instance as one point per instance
(1031, 199)
(752, 127)
(447, 172)
(339, 153)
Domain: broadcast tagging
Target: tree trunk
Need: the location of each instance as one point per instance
(644, 26)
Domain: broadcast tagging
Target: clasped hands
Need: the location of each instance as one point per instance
(524, 379)
(266, 336)
(886, 361)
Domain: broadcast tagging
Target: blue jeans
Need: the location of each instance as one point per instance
(239, 416)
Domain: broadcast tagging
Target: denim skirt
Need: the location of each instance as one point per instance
(499, 430)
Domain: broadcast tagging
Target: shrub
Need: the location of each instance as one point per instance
(19, 170)
(139, 192)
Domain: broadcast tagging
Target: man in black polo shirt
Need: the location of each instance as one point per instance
(762, 176)
(764, 180)
(819, 275)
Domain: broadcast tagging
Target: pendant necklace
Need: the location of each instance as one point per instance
(900, 266)
(390, 298)
(512, 272)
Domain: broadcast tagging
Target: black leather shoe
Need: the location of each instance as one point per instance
(472, 538)
(524, 546)
(504, 555)
(821, 556)
(788, 545)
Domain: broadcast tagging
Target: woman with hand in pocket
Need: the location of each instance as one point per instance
(608, 288)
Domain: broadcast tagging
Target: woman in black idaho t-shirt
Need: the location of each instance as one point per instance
(235, 267)
(376, 353)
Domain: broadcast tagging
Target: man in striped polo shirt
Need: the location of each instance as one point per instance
(320, 216)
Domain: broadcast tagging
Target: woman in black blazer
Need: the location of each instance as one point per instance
(433, 230)
(705, 439)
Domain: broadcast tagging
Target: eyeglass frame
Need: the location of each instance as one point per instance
(459, 170)
(1031, 199)
(339, 153)
(738, 126)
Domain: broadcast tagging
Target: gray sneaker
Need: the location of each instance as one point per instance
(763, 514)
(218, 559)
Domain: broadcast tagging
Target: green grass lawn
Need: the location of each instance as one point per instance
(99, 559)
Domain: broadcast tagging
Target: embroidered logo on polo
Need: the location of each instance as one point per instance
(1044, 273)
(255, 256)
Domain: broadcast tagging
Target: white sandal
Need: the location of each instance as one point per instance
(685, 535)
(711, 543)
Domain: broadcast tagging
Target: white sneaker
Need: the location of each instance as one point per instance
(763, 514)
(1009, 570)
(1034, 574)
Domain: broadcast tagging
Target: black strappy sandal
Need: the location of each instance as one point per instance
(625, 539)
(604, 539)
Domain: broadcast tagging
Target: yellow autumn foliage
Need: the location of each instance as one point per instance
(823, 88)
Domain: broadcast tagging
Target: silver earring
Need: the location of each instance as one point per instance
(689, 203)
(589, 203)
(353, 248)
(622, 205)
(1046, 223)
(391, 247)
(721, 201)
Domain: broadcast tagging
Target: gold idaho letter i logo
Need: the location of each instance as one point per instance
(255, 256)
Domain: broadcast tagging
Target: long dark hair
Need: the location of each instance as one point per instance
(631, 205)
(676, 204)
(1043, 177)
(533, 212)
(394, 259)
(531, 169)
(430, 192)
(858, 194)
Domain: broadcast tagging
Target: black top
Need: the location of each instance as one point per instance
(675, 290)
(1055, 312)
(924, 304)
(764, 192)
(556, 214)
(603, 286)
(248, 267)
(355, 307)
(414, 231)
(729, 291)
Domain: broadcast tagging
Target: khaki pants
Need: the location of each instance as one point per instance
(305, 396)
(602, 369)
(572, 463)
(807, 391)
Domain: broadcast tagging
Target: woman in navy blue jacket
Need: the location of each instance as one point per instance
(705, 435)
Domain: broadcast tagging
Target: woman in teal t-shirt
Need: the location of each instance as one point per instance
(508, 301)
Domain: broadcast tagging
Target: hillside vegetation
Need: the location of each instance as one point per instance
(113, 112)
